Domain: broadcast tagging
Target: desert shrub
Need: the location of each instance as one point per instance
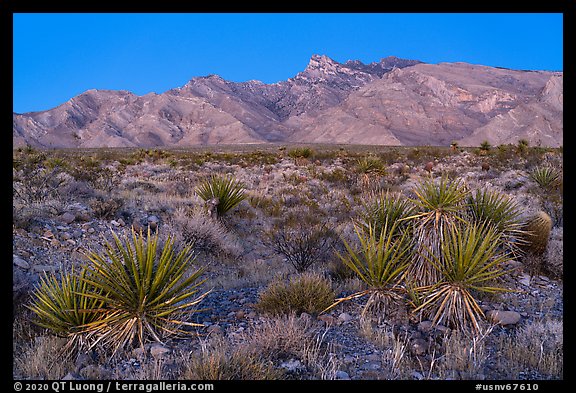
(303, 244)
(309, 292)
(204, 234)
(538, 346)
(301, 152)
(230, 363)
(225, 192)
(105, 208)
(147, 294)
(470, 261)
(34, 183)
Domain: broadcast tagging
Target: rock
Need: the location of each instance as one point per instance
(121, 222)
(417, 375)
(137, 225)
(327, 319)
(71, 377)
(48, 233)
(524, 279)
(342, 375)
(91, 230)
(115, 223)
(372, 365)
(503, 317)
(67, 218)
(20, 262)
(44, 268)
(214, 329)
(428, 167)
(240, 314)
(425, 326)
(419, 347)
(94, 372)
(66, 236)
(344, 317)
(153, 222)
(82, 216)
(293, 366)
(159, 351)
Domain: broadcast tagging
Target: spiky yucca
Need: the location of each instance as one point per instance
(63, 306)
(385, 207)
(227, 191)
(147, 295)
(440, 205)
(380, 262)
(370, 168)
(546, 177)
(502, 212)
(470, 261)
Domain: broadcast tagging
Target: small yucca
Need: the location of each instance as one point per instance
(226, 191)
(146, 295)
(546, 177)
(380, 262)
(385, 207)
(439, 206)
(65, 306)
(500, 211)
(471, 261)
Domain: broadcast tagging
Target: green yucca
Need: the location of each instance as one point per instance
(65, 306)
(385, 207)
(370, 165)
(470, 261)
(546, 177)
(502, 212)
(380, 262)
(146, 295)
(439, 206)
(225, 190)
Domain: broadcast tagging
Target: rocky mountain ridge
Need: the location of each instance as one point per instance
(390, 102)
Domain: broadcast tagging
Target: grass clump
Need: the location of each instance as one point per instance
(309, 292)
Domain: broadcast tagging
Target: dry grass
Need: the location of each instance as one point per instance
(40, 358)
(536, 347)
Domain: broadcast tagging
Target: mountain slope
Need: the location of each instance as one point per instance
(390, 102)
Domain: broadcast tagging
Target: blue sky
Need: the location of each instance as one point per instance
(58, 56)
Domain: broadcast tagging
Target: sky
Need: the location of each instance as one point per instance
(58, 56)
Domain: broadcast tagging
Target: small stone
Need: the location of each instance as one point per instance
(121, 222)
(327, 319)
(94, 372)
(65, 236)
(67, 218)
(342, 375)
(71, 241)
(372, 365)
(115, 223)
(158, 351)
(524, 279)
(82, 216)
(252, 315)
(71, 377)
(48, 233)
(240, 314)
(293, 365)
(214, 329)
(137, 225)
(44, 268)
(417, 375)
(419, 347)
(153, 222)
(20, 262)
(425, 326)
(91, 230)
(504, 317)
(344, 317)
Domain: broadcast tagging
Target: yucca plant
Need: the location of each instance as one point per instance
(370, 168)
(147, 295)
(502, 212)
(65, 306)
(546, 177)
(386, 207)
(380, 263)
(225, 192)
(439, 205)
(470, 261)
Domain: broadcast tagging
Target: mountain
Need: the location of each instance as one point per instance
(390, 102)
